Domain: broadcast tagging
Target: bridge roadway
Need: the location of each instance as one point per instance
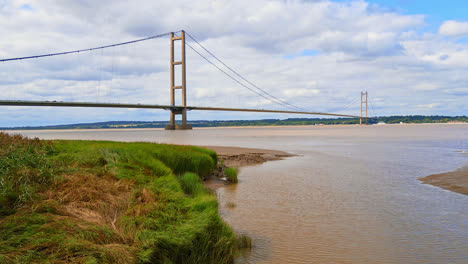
(165, 107)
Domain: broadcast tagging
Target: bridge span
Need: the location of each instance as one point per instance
(183, 108)
(172, 108)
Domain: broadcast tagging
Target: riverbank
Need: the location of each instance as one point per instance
(455, 181)
(108, 202)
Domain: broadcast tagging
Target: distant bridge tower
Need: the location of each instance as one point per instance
(363, 106)
(179, 110)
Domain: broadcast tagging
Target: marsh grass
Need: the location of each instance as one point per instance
(182, 159)
(221, 164)
(24, 169)
(244, 241)
(190, 183)
(231, 174)
(108, 202)
(231, 205)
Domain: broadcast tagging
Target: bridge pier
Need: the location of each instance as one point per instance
(173, 125)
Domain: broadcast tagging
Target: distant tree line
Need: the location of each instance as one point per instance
(263, 122)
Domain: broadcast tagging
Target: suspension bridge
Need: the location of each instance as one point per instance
(183, 108)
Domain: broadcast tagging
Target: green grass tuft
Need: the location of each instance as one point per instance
(231, 174)
(182, 159)
(244, 241)
(210, 152)
(190, 183)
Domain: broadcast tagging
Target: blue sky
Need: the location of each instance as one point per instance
(411, 56)
(436, 10)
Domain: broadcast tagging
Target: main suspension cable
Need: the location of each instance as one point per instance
(84, 50)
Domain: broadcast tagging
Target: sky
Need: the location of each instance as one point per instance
(410, 55)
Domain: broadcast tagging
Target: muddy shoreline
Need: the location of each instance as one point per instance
(240, 157)
(455, 181)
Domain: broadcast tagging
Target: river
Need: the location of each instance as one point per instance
(350, 195)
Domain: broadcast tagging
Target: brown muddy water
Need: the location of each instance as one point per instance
(351, 194)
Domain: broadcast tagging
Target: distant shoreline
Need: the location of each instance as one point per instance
(222, 127)
(414, 119)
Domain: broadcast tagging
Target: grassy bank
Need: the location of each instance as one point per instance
(108, 202)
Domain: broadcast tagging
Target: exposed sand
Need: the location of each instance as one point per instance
(455, 181)
(240, 157)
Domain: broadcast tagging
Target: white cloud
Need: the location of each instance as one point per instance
(429, 106)
(426, 87)
(300, 92)
(454, 28)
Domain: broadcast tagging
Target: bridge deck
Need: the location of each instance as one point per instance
(165, 107)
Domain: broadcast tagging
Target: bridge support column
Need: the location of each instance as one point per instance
(173, 125)
(177, 111)
(363, 109)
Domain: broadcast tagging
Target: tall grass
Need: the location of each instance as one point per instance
(244, 241)
(231, 174)
(183, 158)
(210, 152)
(24, 169)
(190, 183)
(108, 202)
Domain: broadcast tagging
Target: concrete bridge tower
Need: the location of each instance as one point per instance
(363, 107)
(179, 110)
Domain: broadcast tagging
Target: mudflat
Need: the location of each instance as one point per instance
(455, 181)
(241, 157)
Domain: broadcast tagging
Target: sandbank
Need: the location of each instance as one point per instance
(455, 181)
